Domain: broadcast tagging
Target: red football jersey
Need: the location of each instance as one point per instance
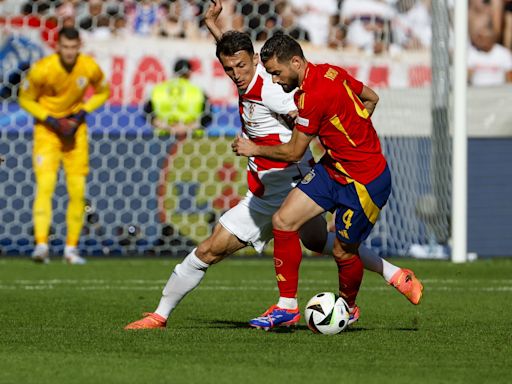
(330, 108)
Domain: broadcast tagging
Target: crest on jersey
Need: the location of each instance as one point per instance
(81, 82)
(331, 74)
(307, 179)
(251, 110)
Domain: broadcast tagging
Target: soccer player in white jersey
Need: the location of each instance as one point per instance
(264, 110)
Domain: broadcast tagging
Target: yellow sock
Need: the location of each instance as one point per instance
(75, 211)
(42, 209)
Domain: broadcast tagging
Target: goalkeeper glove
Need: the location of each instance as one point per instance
(69, 125)
(79, 117)
(53, 123)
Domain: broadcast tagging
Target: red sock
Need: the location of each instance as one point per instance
(287, 258)
(350, 274)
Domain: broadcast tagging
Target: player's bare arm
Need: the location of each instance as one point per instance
(369, 99)
(289, 152)
(211, 16)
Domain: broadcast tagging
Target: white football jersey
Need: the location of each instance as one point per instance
(489, 68)
(261, 107)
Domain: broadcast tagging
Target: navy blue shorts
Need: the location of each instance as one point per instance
(357, 205)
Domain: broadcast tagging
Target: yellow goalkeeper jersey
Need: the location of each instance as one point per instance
(49, 90)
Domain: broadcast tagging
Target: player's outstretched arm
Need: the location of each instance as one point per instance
(369, 99)
(211, 16)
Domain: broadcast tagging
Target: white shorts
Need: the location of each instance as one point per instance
(248, 225)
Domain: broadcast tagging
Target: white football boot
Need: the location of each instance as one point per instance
(71, 256)
(41, 253)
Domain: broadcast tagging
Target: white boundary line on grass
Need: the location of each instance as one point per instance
(497, 285)
(245, 281)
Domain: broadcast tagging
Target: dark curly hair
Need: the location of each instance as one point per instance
(69, 33)
(282, 46)
(232, 42)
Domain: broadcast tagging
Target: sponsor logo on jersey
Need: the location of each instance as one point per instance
(344, 233)
(307, 179)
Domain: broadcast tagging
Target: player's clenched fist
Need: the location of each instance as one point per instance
(244, 147)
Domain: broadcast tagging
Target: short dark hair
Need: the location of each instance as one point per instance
(282, 46)
(232, 42)
(182, 66)
(70, 33)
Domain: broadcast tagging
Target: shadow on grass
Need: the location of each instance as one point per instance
(414, 329)
(223, 324)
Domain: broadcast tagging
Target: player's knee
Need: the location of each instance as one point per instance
(45, 185)
(44, 191)
(76, 198)
(282, 223)
(76, 188)
(344, 251)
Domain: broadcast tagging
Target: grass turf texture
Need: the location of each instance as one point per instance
(63, 324)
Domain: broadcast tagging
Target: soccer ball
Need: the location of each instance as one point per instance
(327, 313)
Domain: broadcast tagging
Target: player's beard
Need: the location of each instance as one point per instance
(291, 85)
(68, 63)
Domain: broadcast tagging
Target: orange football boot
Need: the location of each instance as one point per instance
(408, 285)
(149, 321)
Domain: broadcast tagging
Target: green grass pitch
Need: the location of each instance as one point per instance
(64, 324)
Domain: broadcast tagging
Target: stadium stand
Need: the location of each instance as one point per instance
(157, 195)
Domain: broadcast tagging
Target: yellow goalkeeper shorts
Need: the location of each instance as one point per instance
(50, 150)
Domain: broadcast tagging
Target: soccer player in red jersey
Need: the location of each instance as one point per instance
(352, 179)
(264, 107)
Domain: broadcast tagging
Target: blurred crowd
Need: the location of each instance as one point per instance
(370, 26)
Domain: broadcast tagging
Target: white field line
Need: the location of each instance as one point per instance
(227, 288)
(494, 285)
(245, 281)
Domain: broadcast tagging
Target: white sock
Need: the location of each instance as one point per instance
(287, 302)
(388, 270)
(375, 263)
(185, 277)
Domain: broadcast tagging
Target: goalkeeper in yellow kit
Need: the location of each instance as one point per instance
(53, 92)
